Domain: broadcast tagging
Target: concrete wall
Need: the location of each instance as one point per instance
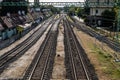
(12, 39)
(8, 33)
(9, 41)
(97, 11)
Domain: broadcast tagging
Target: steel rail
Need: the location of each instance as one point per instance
(80, 57)
(114, 45)
(19, 45)
(70, 50)
(41, 53)
(45, 43)
(21, 50)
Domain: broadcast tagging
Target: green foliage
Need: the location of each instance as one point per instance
(66, 9)
(80, 12)
(109, 14)
(72, 10)
(12, 9)
(108, 17)
(52, 8)
(42, 7)
(106, 63)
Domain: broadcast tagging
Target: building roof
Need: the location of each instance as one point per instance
(25, 26)
(7, 21)
(28, 19)
(18, 19)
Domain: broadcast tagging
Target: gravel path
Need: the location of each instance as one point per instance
(59, 71)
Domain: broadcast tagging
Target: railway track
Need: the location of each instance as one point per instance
(78, 66)
(20, 49)
(81, 26)
(41, 66)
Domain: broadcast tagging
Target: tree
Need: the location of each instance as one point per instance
(53, 9)
(79, 12)
(72, 10)
(66, 9)
(108, 17)
(12, 9)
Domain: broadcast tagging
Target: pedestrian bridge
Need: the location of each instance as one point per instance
(62, 4)
(77, 4)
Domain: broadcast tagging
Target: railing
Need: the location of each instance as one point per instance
(80, 4)
(101, 4)
(14, 4)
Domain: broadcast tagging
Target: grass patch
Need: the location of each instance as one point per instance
(68, 17)
(116, 74)
(106, 65)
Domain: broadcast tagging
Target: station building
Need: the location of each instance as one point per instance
(96, 9)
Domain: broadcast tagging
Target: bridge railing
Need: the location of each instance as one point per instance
(14, 4)
(80, 4)
(102, 4)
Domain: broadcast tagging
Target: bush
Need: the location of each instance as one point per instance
(108, 18)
